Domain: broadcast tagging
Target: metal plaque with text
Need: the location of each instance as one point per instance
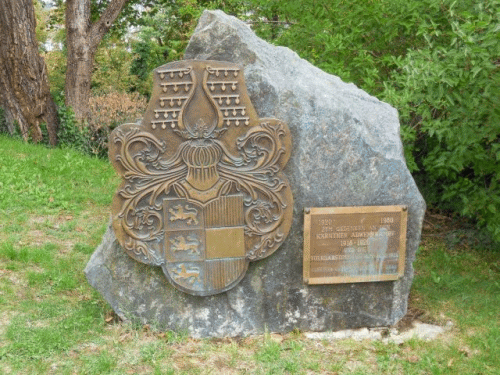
(354, 244)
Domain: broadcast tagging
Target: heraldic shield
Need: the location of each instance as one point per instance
(203, 192)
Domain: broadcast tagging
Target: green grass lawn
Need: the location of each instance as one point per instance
(54, 206)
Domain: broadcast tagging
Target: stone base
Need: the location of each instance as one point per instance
(346, 152)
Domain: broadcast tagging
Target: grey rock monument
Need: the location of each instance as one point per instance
(346, 152)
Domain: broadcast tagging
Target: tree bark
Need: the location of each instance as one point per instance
(83, 38)
(24, 86)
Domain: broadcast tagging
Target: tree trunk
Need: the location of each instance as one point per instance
(83, 38)
(24, 86)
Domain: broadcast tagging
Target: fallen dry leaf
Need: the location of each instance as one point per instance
(413, 359)
(276, 337)
(465, 350)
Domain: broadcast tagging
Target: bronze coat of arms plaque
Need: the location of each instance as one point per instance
(203, 191)
(354, 244)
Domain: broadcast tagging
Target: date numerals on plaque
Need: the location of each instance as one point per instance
(354, 244)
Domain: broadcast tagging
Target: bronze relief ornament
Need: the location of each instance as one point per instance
(203, 191)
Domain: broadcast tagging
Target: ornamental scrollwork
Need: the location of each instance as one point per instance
(202, 169)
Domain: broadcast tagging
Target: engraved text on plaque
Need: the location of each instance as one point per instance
(354, 244)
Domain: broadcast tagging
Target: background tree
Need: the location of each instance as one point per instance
(24, 87)
(83, 38)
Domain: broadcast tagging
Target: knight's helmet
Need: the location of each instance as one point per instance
(200, 122)
(201, 157)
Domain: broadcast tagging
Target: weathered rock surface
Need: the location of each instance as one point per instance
(346, 152)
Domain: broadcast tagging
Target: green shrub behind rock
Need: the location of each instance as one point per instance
(437, 62)
(448, 95)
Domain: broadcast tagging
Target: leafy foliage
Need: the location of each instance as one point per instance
(353, 40)
(437, 62)
(448, 96)
(163, 37)
(42, 16)
(56, 70)
(108, 110)
(70, 134)
(112, 68)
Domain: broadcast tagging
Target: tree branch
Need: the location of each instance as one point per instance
(104, 23)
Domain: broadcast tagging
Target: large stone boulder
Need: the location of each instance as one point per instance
(346, 152)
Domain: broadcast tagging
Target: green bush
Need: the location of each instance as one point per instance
(448, 96)
(354, 40)
(70, 133)
(112, 68)
(436, 61)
